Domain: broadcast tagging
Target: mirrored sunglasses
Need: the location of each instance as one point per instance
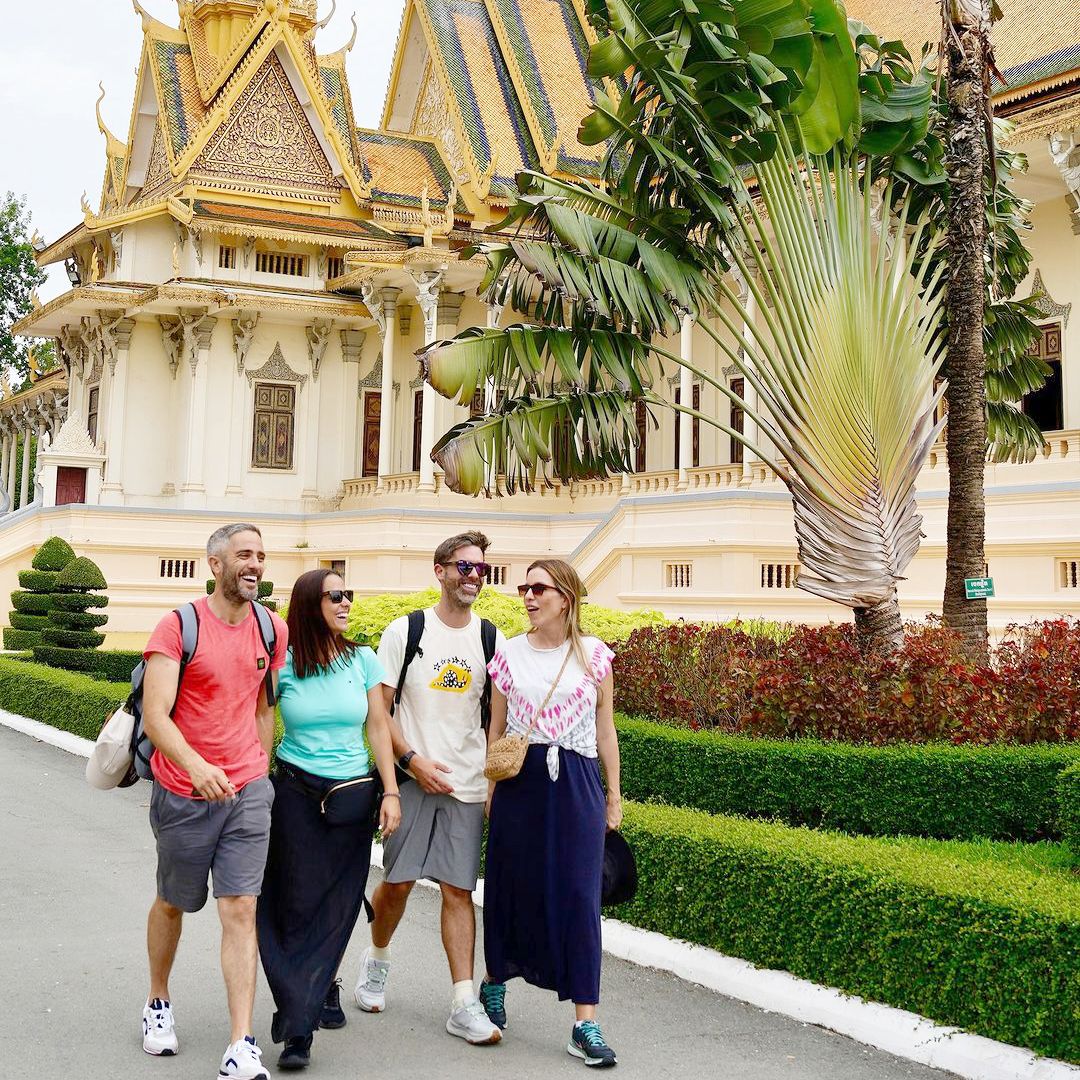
(465, 568)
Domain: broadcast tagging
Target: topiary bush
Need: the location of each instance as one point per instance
(75, 620)
(71, 636)
(31, 602)
(81, 575)
(77, 601)
(1068, 806)
(72, 639)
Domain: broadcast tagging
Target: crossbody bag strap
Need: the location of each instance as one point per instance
(551, 691)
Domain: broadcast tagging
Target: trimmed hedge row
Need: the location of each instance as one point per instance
(116, 665)
(1068, 795)
(62, 699)
(990, 944)
(16, 640)
(933, 789)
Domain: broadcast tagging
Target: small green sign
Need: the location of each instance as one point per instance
(978, 588)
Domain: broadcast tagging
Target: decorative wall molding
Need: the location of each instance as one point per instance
(1045, 303)
(373, 379)
(276, 369)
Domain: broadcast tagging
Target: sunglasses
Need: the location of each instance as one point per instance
(465, 568)
(537, 590)
(337, 595)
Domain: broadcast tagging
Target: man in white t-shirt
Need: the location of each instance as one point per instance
(440, 742)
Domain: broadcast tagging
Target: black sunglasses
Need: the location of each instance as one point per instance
(537, 590)
(465, 567)
(337, 595)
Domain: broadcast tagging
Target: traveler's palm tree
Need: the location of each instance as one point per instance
(704, 183)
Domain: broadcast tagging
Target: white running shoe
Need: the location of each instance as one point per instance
(471, 1023)
(243, 1061)
(370, 992)
(159, 1029)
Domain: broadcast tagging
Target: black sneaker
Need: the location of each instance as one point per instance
(493, 998)
(587, 1042)
(297, 1053)
(332, 1015)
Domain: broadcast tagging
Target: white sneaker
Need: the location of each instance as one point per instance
(243, 1061)
(370, 992)
(471, 1023)
(159, 1029)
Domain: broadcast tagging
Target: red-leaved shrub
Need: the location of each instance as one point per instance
(816, 683)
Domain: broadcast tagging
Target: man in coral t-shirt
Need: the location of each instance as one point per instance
(210, 808)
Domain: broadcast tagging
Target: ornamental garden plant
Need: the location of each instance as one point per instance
(32, 600)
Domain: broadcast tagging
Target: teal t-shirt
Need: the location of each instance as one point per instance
(325, 715)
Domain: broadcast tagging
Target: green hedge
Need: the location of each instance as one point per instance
(72, 639)
(116, 665)
(935, 790)
(39, 580)
(16, 640)
(973, 935)
(75, 601)
(82, 573)
(30, 603)
(54, 554)
(1068, 796)
(62, 699)
(69, 659)
(21, 621)
(76, 620)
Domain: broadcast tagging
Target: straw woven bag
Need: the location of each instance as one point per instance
(505, 756)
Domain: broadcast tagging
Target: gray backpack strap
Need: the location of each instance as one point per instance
(189, 641)
(268, 633)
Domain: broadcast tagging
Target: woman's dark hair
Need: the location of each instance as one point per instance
(314, 645)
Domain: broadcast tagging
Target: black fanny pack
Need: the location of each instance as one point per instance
(341, 802)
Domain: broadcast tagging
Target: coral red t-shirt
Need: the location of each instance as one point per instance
(215, 709)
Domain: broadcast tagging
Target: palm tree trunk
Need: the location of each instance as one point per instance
(967, 25)
(880, 629)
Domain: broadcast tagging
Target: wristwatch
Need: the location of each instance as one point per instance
(403, 761)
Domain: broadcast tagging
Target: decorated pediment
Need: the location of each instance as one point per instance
(1046, 304)
(276, 369)
(268, 141)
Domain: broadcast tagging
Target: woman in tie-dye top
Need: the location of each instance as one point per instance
(546, 834)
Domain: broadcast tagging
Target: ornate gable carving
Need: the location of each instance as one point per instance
(73, 440)
(276, 369)
(267, 140)
(1046, 303)
(157, 168)
(433, 119)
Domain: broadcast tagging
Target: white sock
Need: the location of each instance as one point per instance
(464, 992)
(382, 955)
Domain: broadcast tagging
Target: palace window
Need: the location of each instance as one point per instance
(336, 565)
(335, 267)
(284, 263)
(93, 398)
(779, 575)
(1068, 573)
(176, 568)
(226, 257)
(500, 575)
(737, 420)
(275, 423)
(1044, 406)
(678, 575)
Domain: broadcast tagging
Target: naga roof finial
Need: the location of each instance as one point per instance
(323, 23)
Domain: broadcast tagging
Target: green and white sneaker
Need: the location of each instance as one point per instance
(587, 1042)
(493, 998)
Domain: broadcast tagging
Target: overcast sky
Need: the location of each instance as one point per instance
(54, 53)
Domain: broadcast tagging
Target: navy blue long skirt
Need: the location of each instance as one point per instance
(545, 857)
(312, 893)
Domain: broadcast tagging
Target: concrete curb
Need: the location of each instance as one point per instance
(895, 1031)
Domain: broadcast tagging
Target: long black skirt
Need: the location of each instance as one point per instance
(312, 894)
(542, 881)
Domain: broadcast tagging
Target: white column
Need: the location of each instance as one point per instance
(388, 329)
(352, 364)
(447, 412)
(117, 365)
(686, 398)
(24, 485)
(193, 485)
(5, 456)
(749, 393)
(11, 476)
(428, 298)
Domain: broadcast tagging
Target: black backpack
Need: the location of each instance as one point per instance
(141, 746)
(413, 650)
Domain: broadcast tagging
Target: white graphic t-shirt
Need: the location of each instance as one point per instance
(439, 712)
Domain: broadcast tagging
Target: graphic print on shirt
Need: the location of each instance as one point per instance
(452, 674)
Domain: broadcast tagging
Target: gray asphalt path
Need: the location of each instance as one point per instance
(77, 877)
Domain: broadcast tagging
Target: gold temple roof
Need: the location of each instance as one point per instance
(400, 168)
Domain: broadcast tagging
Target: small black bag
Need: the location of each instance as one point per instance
(351, 802)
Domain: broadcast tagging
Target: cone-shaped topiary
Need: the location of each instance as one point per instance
(71, 636)
(76, 601)
(54, 554)
(81, 575)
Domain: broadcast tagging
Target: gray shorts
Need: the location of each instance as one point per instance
(439, 839)
(196, 838)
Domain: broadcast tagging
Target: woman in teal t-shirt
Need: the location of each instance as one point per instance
(326, 794)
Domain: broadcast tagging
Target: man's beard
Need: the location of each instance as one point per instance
(461, 598)
(232, 590)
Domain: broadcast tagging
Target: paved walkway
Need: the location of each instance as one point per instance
(77, 878)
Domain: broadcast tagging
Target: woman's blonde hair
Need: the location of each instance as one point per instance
(569, 585)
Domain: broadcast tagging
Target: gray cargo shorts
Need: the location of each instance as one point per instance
(197, 838)
(439, 839)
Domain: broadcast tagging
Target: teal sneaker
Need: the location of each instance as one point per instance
(493, 998)
(587, 1042)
